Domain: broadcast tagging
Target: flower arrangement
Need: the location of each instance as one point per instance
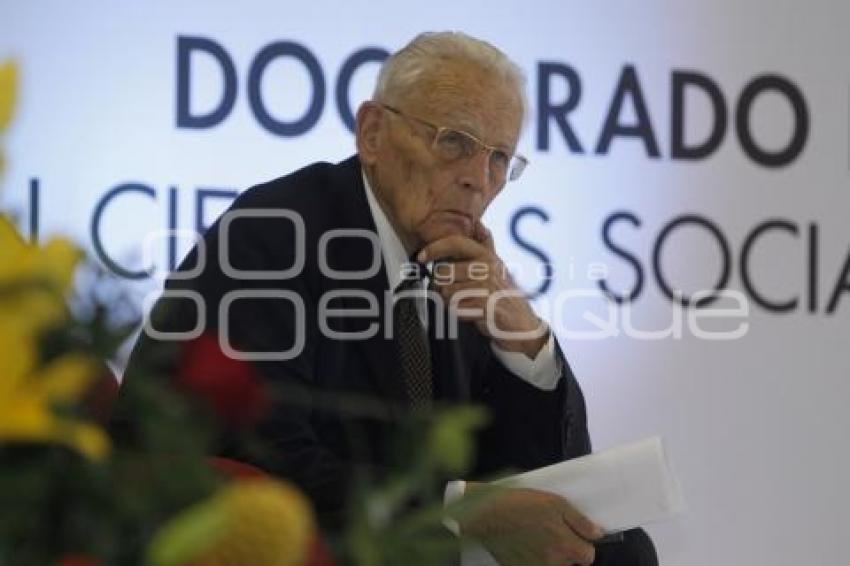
(71, 497)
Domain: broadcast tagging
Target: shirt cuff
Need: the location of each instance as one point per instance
(542, 372)
(454, 491)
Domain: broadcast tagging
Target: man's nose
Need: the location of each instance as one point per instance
(475, 172)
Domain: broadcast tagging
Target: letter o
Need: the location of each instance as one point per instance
(801, 120)
(724, 249)
(343, 82)
(258, 67)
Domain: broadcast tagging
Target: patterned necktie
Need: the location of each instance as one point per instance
(411, 340)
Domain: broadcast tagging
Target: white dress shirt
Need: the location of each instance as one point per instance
(543, 371)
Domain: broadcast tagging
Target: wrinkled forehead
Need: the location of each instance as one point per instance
(465, 96)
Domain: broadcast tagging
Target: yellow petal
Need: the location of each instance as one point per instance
(66, 379)
(52, 264)
(87, 439)
(58, 260)
(33, 310)
(28, 418)
(31, 420)
(17, 360)
(28, 404)
(8, 92)
(270, 523)
(36, 279)
(11, 242)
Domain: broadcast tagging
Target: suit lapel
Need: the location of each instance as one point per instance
(355, 255)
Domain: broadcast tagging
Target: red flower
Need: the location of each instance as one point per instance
(319, 554)
(78, 560)
(230, 387)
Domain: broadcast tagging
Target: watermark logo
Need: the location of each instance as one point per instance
(457, 291)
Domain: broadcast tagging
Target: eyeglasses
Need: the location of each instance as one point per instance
(451, 145)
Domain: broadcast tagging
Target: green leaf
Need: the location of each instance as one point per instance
(187, 535)
(451, 441)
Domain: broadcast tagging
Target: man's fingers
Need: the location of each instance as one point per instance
(570, 547)
(451, 247)
(583, 526)
(446, 273)
(471, 289)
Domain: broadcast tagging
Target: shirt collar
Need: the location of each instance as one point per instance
(392, 250)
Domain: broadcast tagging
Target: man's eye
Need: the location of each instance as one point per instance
(455, 144)
(500, 160)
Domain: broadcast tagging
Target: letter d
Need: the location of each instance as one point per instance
(185, 47)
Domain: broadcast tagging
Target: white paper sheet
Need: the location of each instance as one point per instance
(618, 489)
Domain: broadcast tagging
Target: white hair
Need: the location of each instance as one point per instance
(403, 70)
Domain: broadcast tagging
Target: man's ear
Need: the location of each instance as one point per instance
(370, 118)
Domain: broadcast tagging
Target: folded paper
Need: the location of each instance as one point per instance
(618, 489)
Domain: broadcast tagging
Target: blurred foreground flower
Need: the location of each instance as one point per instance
(36, 398)
(230, 387)
(78, 560)
(261, 522)
(34, 280)
(8, 91)
(31, 402)
(8, 95)
(157, 498)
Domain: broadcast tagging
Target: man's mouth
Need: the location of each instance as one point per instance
(460, 217)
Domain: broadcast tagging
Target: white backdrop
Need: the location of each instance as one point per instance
(756, 426)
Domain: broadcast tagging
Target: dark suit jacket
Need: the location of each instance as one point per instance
(319, 449)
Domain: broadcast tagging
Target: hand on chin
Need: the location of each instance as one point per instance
(444, 224)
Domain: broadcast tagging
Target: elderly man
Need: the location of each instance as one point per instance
(435, 146)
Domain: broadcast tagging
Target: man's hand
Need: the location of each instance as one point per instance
(526, 526)
(475, 283)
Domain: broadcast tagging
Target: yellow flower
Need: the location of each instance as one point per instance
(30, 401)
(34, 281)
(262, 522)
(33, 285)
(8, 93)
